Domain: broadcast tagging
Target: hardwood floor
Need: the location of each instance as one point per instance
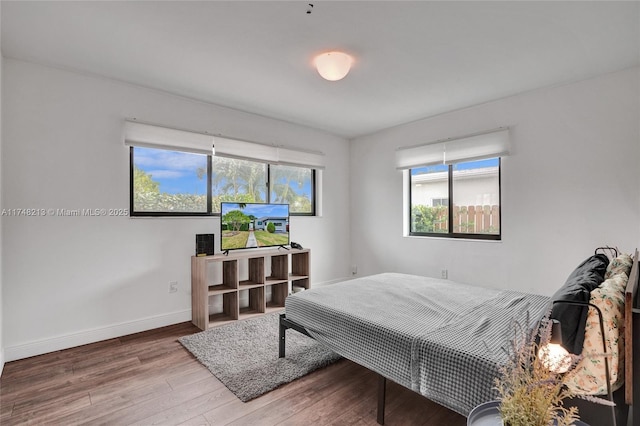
(149, 378)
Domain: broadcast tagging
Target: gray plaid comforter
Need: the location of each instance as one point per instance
(439, 338)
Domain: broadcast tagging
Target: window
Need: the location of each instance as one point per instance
(175, 183)
(293, 186)
(169, 182)
(460, 200)
(182, 173)
(237, 180)
(452, 185)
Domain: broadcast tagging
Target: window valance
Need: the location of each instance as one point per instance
(152, 136)
(493, 143)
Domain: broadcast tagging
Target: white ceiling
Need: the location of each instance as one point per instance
(413, 59)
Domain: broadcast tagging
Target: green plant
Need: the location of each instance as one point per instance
(271, 228)
(429, 219)
(236, 220)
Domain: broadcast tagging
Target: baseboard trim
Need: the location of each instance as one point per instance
(1, 361)
(44, 346)
(39, 347)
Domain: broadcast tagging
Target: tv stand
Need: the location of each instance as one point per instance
(244, 283)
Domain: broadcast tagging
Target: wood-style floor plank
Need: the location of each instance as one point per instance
(149, 378)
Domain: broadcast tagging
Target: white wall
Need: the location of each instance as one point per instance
(72, 280)
(570, 184)
(1, 217)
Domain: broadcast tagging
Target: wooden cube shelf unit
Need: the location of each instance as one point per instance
(287, 268)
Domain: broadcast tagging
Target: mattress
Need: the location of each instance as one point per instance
(442, 339)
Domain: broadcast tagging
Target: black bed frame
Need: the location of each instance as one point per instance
(286, 324)
(594, 414)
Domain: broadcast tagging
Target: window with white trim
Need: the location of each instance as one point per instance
(179, 173)
(457, 195)
(471, 208)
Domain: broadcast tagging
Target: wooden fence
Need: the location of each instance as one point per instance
(470, 220)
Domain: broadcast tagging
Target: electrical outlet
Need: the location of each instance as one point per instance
(173, 286)
(444, 274)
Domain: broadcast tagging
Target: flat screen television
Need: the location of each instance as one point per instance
(253, 225)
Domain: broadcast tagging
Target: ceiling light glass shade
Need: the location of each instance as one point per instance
(333, 66)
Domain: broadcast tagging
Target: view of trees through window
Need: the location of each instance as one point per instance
(293, 186)
(168, 182)
(237, 180)
(462, 199)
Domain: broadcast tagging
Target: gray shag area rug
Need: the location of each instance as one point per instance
(244, 355)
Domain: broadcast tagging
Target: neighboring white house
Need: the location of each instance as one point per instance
(472, 187)
(281, 223)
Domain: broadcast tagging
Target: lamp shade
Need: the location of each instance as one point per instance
(333, 66)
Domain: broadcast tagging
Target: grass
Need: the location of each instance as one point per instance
(264, 238)
(235, 239)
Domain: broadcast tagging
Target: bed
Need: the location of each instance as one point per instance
(441, 339)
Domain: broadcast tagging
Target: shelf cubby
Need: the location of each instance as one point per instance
(262, 293)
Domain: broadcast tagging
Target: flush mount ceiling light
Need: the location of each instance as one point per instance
(333, 66)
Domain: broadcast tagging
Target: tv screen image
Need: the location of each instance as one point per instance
(253, 225)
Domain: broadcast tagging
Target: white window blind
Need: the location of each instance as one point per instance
(493, 143)
(233, 148)
(293, 157)
(151, 136)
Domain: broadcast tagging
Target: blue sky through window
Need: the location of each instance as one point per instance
(478, 164)
(176, 172)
